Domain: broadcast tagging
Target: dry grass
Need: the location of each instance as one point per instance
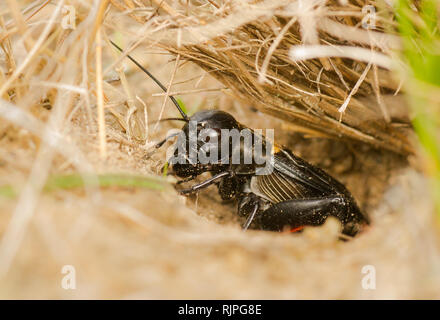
(70, 105)
(260, 55)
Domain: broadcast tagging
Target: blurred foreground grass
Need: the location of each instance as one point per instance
(418, 23)
(73, 181)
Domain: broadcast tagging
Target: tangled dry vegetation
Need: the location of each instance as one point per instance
(80, 186)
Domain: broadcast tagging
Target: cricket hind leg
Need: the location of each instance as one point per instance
(297, 213)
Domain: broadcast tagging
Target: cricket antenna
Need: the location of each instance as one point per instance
(184, 116)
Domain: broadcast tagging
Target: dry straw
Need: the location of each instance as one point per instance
(308, 61)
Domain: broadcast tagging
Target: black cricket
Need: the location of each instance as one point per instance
(295, 194)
